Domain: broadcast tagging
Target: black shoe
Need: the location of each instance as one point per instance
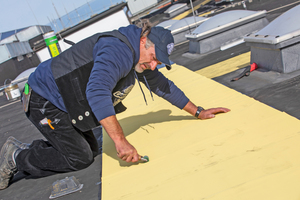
(7, 162)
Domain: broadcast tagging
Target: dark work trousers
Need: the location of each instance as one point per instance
(67, 149)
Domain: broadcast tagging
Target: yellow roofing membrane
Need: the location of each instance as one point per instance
(250, 153)
(226, 66)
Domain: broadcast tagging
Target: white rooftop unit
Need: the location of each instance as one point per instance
(185, 26)
(277, 46)
(176, 9)
(225, 29)
(137, 6)
(167, 24)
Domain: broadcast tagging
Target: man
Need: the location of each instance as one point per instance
(84, 87)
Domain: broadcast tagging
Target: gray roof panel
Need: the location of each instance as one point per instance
(175, 7)
(284, 27)
(223, 19)
(167, 24)
(226, 21)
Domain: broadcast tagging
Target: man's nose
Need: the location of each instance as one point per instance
(153, 65)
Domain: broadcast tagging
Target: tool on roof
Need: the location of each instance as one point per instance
(65, 186)
(246, 72)
(144, 158)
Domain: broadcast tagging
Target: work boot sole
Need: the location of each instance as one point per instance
(7, 165)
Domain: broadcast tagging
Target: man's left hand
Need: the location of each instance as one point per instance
(204, 114)
(210, 113)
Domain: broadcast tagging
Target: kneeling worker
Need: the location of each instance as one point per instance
(83, 88)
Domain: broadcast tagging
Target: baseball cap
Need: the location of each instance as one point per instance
(164, 43)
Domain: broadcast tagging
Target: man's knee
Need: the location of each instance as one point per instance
(81, 161)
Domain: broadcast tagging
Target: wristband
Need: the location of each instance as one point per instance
(198, 111)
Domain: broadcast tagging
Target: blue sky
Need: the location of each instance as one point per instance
(17, 14)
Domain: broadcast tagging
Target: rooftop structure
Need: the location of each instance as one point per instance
(16, 43)
(167, 24)
(225, 28)
(24, 34)
(9, 33)
(14, 49)
(176, 9)
(137, 6)
(185, 26)
(276, 47)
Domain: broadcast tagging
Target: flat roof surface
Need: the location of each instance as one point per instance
(249, 153)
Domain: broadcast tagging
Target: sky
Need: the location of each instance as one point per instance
(17, 14)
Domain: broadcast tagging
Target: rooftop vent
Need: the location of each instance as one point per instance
(185, 26)
(167, 24)
(225, 28)
(277, 46)
(176, 9)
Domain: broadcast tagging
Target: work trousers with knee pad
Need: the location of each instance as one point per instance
(66, 149)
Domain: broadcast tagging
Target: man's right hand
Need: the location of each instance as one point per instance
(126, 151)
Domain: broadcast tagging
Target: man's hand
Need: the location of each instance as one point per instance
(126, 151)
(204, 114)
(210, 113)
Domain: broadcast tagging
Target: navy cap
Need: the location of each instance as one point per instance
(164, 43)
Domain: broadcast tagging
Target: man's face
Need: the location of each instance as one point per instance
(147, 57)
